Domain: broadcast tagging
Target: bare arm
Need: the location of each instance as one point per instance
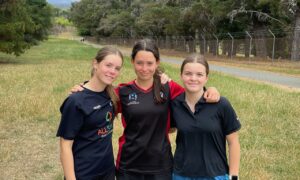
(66, 157)
(234, 153)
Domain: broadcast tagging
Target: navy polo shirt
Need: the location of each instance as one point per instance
(87, 118)
(201, 137)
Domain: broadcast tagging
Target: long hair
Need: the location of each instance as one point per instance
(101, 54)
(150, 46)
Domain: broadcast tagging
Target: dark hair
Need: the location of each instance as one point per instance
(150, 46)
(195, 58)
(101, 54)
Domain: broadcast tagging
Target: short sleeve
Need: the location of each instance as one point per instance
(230, 120)
(119, 109)
(71, 119)
(175, 89)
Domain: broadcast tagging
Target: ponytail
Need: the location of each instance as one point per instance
(113, 96)
(158, 88)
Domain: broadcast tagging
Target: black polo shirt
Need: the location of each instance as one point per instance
(87, 118)
(201, 137)
(144, 146)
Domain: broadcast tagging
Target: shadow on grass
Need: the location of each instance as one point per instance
(6, 59)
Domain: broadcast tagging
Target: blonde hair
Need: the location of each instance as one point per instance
(101, 54)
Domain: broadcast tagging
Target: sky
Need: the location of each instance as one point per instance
(62, 3)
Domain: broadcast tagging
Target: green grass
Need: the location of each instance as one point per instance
(34, 85)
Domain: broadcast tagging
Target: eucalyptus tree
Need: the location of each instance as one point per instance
(22, 24)
(292, 7)
(260, 16)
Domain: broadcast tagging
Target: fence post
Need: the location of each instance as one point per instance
(273, 45)
(231, 45)
(250, 46)
(217, 45)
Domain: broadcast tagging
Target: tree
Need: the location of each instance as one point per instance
(15, 21)
(40, 14)
(23, 24)
(293, 8)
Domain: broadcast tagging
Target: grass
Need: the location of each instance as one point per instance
(34, 85)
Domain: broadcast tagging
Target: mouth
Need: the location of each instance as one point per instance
(110, 77)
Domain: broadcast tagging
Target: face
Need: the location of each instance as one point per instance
(108, 69)
(194, 77)
(145, 65)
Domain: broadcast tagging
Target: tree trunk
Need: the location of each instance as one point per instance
(295, 55)
(260, 41)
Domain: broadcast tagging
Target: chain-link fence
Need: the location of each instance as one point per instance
(263, 45)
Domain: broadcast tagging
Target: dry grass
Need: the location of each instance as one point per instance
(33, 87)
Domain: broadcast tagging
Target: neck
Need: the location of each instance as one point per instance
(192, 98)
(144, 84)
(95, 85)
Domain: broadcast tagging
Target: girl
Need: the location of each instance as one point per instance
(86, 125)
(203, 129)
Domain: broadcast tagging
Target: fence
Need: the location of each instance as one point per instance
(259, 45)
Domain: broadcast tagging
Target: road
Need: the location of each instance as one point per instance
(264, 76)
(274, 78)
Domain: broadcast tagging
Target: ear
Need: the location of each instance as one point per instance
(94, 63)
(206, 79)
(157, 63)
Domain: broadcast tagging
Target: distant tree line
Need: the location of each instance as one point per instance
(188, 18)
(23, 23)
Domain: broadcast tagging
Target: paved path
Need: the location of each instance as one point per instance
(274, 78)
(269, 77)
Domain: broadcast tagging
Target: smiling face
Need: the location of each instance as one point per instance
(107, 70)
(145, 65)
(194, 77)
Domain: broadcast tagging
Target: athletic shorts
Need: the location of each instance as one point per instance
(177, 177)
(141, 176)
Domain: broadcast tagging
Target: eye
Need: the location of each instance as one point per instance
(118, 68)
(139, 62)
(109, 65)
(200, 74)
(187, 73)
(150, 63)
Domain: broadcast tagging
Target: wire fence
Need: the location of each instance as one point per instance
(263, 45)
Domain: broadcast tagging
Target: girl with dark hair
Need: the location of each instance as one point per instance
(86, 125)
(203, 129)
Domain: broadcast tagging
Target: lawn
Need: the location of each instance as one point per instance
(34, 85)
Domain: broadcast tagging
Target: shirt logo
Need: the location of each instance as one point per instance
(108, 128)
(161, 94)
(132, 99)
(97, 107)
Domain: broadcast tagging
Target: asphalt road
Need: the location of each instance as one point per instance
(269, 77)
(274, 78)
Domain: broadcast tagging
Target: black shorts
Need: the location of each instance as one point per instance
(141, 176)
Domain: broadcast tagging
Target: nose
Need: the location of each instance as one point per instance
(193, 77)
(113, 71)
(144, 67)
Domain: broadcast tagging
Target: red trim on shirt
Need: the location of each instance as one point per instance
(122, 141)
(175, 89)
